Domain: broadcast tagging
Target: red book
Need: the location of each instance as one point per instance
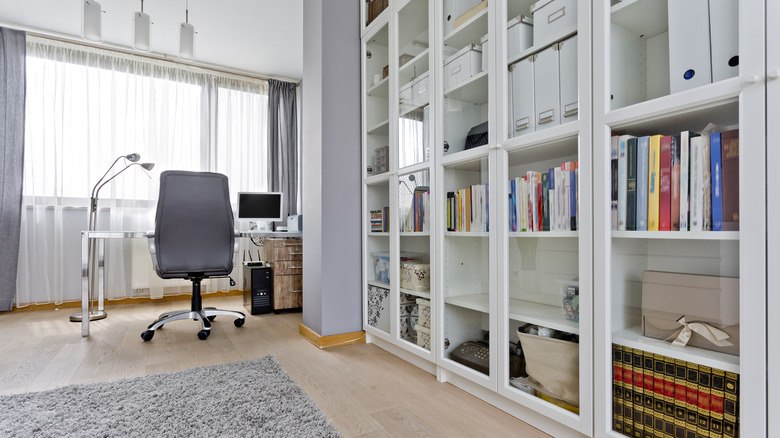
(539, 205)
(729, 145)
(675, 191)
(665, 185)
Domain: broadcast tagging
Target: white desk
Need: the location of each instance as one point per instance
(88, 271)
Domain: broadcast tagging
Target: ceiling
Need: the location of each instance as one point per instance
(258, 36)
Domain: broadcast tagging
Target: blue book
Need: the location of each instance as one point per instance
(717, 182)
(573, 199)
(512, 208)
(642, 152)
(551, 198)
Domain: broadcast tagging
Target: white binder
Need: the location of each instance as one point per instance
(724, 31)
(521, 82)
(567, 54)
(689, 44)
(546, 88)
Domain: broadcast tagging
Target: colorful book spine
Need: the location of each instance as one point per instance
(718, 384)
(653, 177)
(573, 200)
(729, 143)
(706, 211)
(648, 398)
(668, 394)
(639, 394)
(622, 181)
(658, 394)
(614, 168)
(617, 388)
(692, 397)
(674, 211)
(705, 390)
(545, 201)
(696, 185)
(665, 185)
(628, 391)
(717, 182)
(512, 197)
(731, 406)
(631, 194)
(642, 152)
(685, 154)
(551, 199)
(680, 403)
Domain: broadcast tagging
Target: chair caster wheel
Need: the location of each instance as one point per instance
(239, 322)
(203, 334)
(147, 335)
(212, 317)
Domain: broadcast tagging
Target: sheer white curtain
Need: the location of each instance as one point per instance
(86, 107)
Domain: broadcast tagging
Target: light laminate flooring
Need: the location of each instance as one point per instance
(363, 389)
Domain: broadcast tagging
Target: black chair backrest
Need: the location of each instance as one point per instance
(193, 230)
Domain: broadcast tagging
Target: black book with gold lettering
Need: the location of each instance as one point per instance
(680, 409)
(617, 388)
(692, 397)
(731, 406)
(628, 391)
(718, 384)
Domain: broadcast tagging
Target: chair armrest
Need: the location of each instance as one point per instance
(237, 241)
(152, 249)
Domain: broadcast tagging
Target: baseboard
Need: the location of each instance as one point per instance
(323, 342)
(77, 303)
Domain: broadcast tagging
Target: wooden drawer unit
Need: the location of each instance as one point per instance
(286, 259)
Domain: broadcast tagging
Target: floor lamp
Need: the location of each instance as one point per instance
(92, 257)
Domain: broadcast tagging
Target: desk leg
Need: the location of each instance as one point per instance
(85, 277)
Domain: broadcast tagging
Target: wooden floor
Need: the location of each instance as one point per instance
(364, 390)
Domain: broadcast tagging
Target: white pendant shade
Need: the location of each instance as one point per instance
(186, 41)
(141, 28)
(90, 21)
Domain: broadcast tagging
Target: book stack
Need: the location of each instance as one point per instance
(468, 209)
(545, 201)
(683, 182)
(379, 222)
(656, 396)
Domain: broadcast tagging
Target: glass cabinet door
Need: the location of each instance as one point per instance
(414, 116)
(376, 104)
(467, 272)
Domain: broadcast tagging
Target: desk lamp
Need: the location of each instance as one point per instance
(92, 263)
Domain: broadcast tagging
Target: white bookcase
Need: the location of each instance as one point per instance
(494, 279)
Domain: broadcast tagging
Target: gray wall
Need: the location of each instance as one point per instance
(331, 166)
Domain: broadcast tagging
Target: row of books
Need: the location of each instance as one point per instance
(657, 396)
(685, 182)
(468, 209)
(415, 218)
(545, 201)
(379, 221)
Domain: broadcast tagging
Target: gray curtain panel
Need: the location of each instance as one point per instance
(283, 142)
(12, 93)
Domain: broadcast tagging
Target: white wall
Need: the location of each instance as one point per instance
(331, 167)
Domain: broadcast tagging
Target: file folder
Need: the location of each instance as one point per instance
(546, 88)
(689, 45)
(522, 119)
(724, 31)
(568, 76)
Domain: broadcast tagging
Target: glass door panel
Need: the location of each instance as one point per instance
(377, 106)
(413, 82)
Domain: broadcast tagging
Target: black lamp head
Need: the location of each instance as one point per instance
(134, 157)
(147, 166)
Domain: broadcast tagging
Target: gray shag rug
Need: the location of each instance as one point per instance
(240, 399)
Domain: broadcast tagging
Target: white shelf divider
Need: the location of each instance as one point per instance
(421, 294)
(541, 314)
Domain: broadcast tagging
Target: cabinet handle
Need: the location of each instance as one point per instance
(774, 74)
(289, 244)
(750, 79)
(570, 109)
(295, 267)
(521, 123)
(295, 253)
(294, 291)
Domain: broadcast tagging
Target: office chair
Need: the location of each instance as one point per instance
(193, 238)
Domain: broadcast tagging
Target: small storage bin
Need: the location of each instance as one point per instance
(552, 18)
(461, 66)
(416, 275)
(485, 57)
(382, 265)
(420, 90)
(553, 366)
(570, 305)
(424, 307)
(519, 35)
(423, 337)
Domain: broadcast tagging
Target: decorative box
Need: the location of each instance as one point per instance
(423, 337)
(552, 18)
(424, 307)
(380, 159)
(705, 302)
(416, 276)
(461, 66)
(378, 310)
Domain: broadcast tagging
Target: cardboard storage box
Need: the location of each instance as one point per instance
(667, 296)
(461, 66)
(552, 18)
(519, 35)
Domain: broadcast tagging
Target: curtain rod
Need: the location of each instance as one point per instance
(130, 51)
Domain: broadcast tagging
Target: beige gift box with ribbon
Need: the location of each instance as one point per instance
(695, 310)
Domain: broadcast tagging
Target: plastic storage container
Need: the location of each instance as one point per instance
(519, 35)
(553, 18)
(461, 66)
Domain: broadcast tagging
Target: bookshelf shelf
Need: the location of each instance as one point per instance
(467, 234)
(543, 234)
(380, 89)
(677, 235)
(550, 140)
(378, 284)
(421, 294)
(468, 159)
(469, 32)
(543, 44)
(415, 233)
(645, 17)
(632, 337)
(541, 314)
(375, 180)
(381, 128)
(479, 302)
(474, 90)
(414, 68)
(378, 234)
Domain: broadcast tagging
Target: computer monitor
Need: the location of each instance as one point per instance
(260, 206)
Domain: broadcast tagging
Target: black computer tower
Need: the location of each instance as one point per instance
(258, 289)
